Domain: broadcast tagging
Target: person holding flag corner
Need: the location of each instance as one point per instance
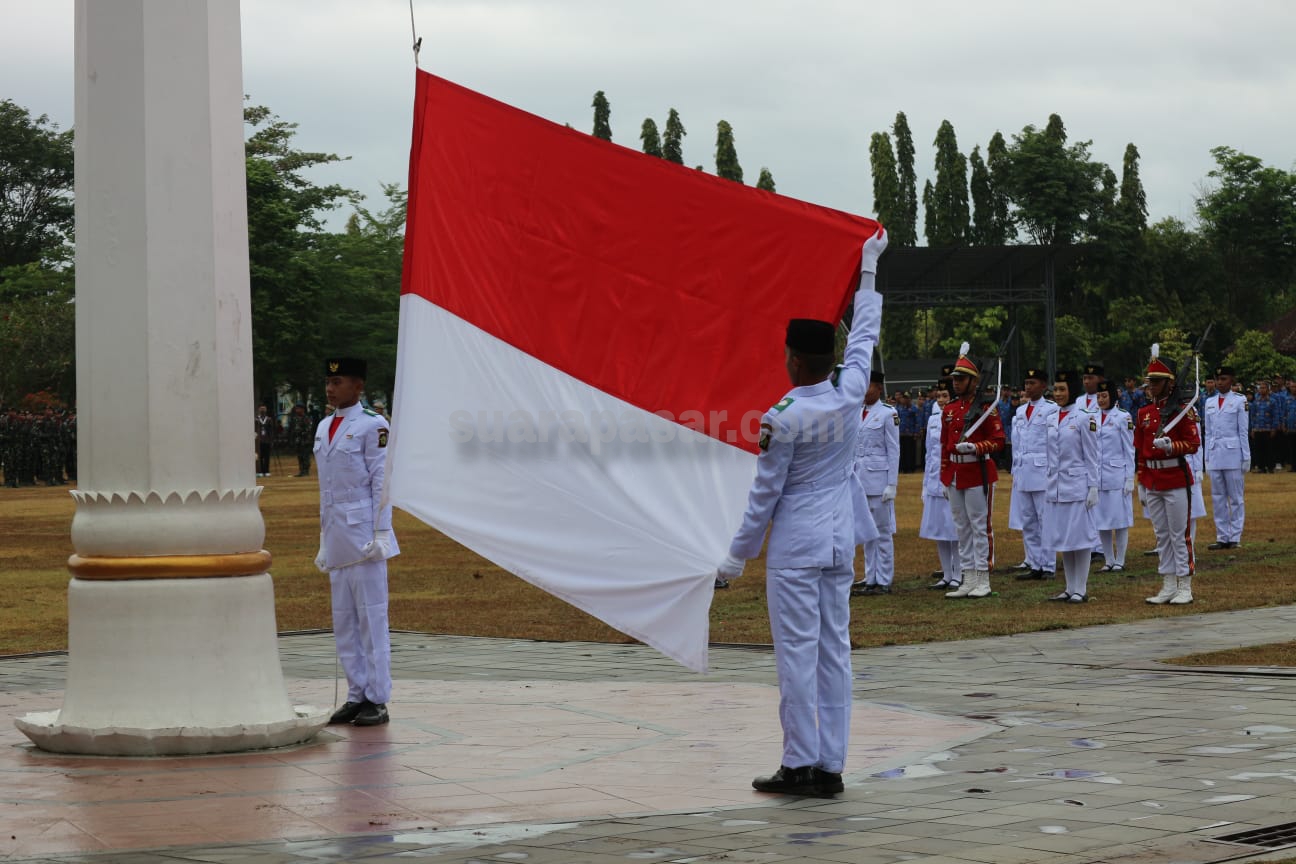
(802, 494)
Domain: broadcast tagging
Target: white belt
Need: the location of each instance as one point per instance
(1163, 463)
(964, 458)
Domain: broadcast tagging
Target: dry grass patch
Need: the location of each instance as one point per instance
(438, 586)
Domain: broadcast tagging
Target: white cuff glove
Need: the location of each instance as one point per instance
(1142, 493)
(945, 491)
(1129, 485)
(379, 548)
(730, 567)
(320, 563)
(1164, 444)
(889, 493)
(1246, 466)
(965, 447)
(1091, 499)
(873, 249)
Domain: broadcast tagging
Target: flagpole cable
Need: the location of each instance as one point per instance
(417, 42)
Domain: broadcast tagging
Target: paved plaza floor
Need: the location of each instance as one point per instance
(1068, 746)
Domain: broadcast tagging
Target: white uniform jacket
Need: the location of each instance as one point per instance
(802, 489)
(1115, 449)
(877, 450)
(932, 486)
(351, 476)
(1073, 454)
(1227, 441)
(1030, 444)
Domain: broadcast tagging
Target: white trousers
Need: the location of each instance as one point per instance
(360, 630)
(1114, 544)
(879, 554)
(1168, 511)
(809, 611)
(950, 561)
(1228, 503)
(1033, 511)
(972, 510)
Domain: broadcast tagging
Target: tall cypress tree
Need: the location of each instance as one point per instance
(766, 180)
(602, 117)
(726, 155)
(949, 201)
(887, 201)
(906, 225)
(982, 206)
(651, 140)
(673, 142)
(1132, 204)
(930, 218)
(1001, 218)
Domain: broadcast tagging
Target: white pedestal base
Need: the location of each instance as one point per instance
(172, 666)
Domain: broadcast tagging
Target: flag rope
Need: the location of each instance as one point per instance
(418, 43)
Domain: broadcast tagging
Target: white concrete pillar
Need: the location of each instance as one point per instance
(171, 610)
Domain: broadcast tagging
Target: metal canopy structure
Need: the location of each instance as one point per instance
(1011, 276)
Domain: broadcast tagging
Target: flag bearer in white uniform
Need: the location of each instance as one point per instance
(1027, 510)
(802, 494)
(937, 521)
(356, 540)
(1115, 511)
(1228, 458)
(877, 471)
(1073, 486)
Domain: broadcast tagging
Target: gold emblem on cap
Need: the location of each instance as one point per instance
(333, 367)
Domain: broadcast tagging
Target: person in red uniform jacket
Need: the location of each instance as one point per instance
(1165, 481)
(968, 475)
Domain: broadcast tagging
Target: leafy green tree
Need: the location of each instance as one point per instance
(602, 117)
(929, 209)
(284, 232)
(673, 141)
(726, 154)
(1132, 204)
(37, 332)
(1254, 356)
(1000, 228)
(651, 140)
(1249, 215)
(947, 209)
(903, 229)
(982, 328)
(1052, 186)
(982, 205)
(766, 180)
(35, 187)
(1074, 342)
(887, 203)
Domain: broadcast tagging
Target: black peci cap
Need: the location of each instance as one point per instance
(1094, 369)
(810, 336)
(348, 366)
(1036, 374)
(1224, 370)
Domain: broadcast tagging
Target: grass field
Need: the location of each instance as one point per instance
(438, 586)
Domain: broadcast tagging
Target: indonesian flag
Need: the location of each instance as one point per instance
(588, 338)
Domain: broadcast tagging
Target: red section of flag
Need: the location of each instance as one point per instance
(658, 284)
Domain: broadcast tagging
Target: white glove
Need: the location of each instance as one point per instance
(965, 447)
(730, 567)
(1129, 485)
(1246, 466)
(873, 249)
(1164, 444)
(944, 491)
(320, 563)
(1091, 500)
(1142, 492)
(379, 548)
(889, 493)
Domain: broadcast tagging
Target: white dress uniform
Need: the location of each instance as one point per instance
(1073, 471)
(1114, 514)
(877, 466)
(1028, 511)
(1228, 458)
(802, 493)
(351, 476)
(937, 520)
(1197, 509)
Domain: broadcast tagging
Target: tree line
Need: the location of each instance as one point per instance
(314, 288)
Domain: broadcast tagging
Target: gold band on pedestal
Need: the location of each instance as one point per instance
(170, 566)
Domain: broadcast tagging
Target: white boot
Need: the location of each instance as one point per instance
(1169, 587)
(969, 582)
(1184, 595)
(982, 588)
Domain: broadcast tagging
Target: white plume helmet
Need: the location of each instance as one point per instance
(964, 349)
(1156, 350)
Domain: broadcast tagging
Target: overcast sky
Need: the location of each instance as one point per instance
(804, 84)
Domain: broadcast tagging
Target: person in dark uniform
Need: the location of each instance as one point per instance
(301, 437)
(265, 433)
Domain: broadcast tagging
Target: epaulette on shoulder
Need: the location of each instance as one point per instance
(370, 413)
(782, 404)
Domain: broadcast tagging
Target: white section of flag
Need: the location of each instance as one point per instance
(486, 448)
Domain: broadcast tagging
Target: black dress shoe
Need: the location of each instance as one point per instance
(1218, 545)
(721, 583)
(789, 781)
(372, 714)
(875, 590)
(861, 589)
(943, 585)
(828, 782)
(347, 713)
